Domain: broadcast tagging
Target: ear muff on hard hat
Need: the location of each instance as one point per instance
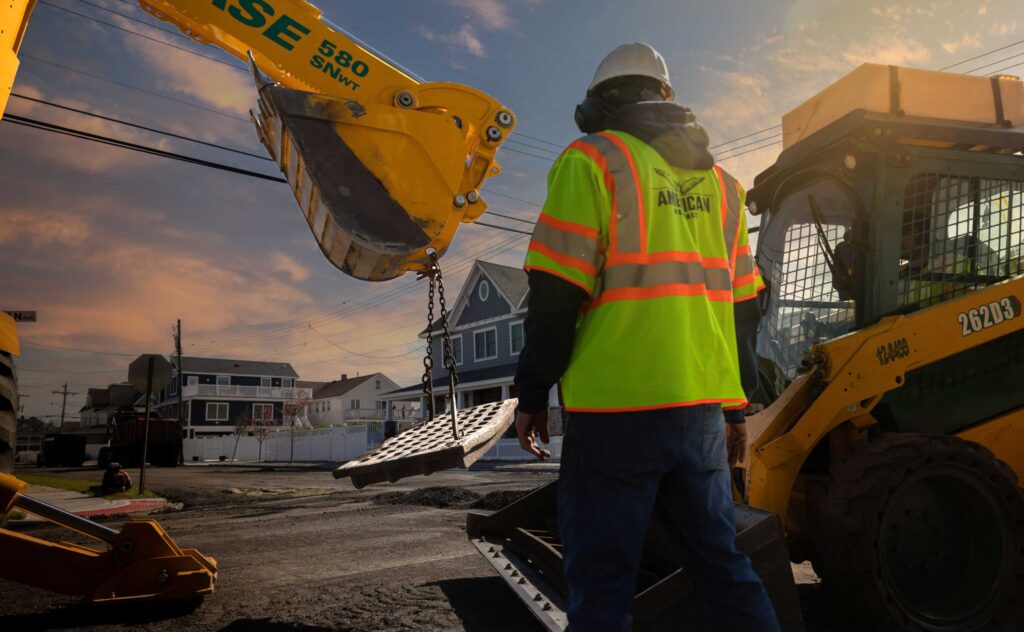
(592, 115)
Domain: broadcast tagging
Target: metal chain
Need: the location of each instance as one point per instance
(449, 354)
(428, 360)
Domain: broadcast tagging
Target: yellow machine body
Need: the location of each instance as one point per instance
(834, 401)
(14, 15)
(9, 335)
(141, 562)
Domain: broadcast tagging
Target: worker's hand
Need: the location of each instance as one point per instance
(527, 426)
(736, 440)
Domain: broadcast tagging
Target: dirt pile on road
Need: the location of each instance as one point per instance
(452, 498)
(440, 497)
(499, 500)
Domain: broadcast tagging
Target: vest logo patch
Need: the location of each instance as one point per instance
(677, 195)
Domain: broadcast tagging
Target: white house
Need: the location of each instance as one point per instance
(350, 399)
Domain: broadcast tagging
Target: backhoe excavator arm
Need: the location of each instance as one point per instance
(383, 166)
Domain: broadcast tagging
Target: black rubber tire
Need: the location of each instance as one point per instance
(924, 533)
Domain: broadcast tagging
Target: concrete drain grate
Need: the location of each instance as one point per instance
(431, 447)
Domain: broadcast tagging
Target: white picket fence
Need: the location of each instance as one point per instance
(335, 445)
(328, 444)
(509, 450)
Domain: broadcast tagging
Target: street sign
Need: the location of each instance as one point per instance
(23, 316)
(138, 369)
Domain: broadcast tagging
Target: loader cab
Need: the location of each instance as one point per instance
(881, 214)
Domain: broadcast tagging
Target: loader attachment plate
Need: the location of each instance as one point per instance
(432, 447)
(521, 542)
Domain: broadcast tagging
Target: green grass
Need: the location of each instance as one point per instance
(85, 487)
(60, 483)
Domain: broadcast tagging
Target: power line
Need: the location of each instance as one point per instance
(137, 126)
(358, 304)
(145, 37)
(107, 140)
(986, 54)
(511, 230)
(1018, 55)
(128, 17)
(46, 346)
(131, 87)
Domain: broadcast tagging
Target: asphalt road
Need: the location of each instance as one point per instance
(299, 551)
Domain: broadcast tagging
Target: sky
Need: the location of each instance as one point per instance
(112, 246)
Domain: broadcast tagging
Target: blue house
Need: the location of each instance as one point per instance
(218, 393)
(486, 323)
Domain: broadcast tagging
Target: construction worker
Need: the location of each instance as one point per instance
(642, 301)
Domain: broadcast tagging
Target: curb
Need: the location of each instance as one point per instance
(133, 506)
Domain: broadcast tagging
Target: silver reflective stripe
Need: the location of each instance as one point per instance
(733, 215)
(665, 273)
(744, 266)
(628, 221)
(571, 244)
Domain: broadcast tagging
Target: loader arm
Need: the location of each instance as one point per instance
(850, 375)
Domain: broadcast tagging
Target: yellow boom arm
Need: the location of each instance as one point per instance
(384, 167)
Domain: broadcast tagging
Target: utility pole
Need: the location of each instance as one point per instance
(63, 404)
(181, 383)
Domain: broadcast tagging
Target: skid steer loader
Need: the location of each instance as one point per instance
(892, 361)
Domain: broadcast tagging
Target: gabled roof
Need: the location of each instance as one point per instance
(337, 388)
(511, 283)
(223, 366)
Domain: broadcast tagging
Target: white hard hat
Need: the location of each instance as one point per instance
(633, 59)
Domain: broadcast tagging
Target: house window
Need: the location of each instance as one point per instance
(382, 405)
(516, 337)
(354, 405)
(288, 382)
(193, 380)
(216, 411)
(262, 411)
(377, 384)
(485, 344)
(483, 290)
(223, 380)
(327, 405)
(172, 387)
(265, 382)
(457, 348)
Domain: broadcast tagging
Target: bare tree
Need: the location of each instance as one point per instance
(243, 425)
(260, 429)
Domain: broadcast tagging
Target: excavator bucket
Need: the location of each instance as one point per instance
(521, 542)
(384, 166)
(433, 446)
(380, 185)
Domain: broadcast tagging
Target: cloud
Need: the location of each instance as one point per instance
(465, 38)
(493, 13)
(38, 228)
(291, 267)
(216, 84)
(967, 41)
(891, 52)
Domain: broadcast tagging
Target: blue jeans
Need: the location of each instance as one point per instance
(613, 468)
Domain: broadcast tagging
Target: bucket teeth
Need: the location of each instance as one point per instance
(360, 228)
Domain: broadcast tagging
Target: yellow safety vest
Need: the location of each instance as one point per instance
(663, 253)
